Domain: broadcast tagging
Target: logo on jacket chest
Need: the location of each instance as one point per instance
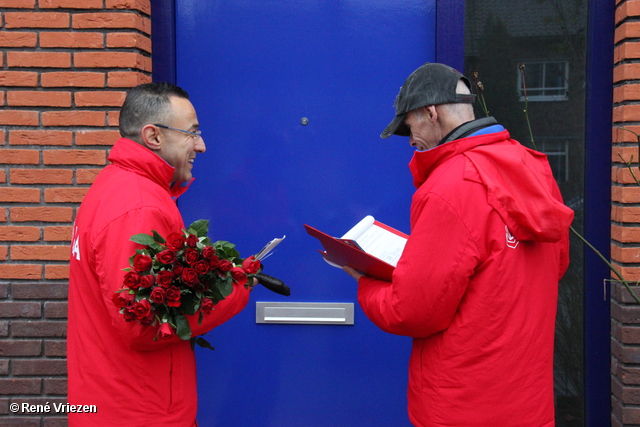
(511, 241)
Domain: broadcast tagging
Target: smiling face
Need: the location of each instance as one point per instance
(177, 148)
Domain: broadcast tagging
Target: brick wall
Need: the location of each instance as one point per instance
(625, 215)
(65, 66)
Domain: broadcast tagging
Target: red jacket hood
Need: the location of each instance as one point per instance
(530, 205)
(132, 156)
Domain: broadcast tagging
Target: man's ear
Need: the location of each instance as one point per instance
(431, 113)
(151, 137)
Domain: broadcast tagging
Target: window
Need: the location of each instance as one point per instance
(557, 151)
(545, 81)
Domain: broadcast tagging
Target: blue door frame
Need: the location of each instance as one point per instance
(450, 34)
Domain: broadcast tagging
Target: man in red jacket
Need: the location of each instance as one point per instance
(476, 286)
(117, 366)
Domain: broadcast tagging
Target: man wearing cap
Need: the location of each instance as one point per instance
(476, 286)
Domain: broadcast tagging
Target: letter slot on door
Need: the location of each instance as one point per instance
(307, 313)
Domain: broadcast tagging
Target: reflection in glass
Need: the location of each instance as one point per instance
(549, 38)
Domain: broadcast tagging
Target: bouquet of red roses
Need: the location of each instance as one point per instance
(182, 274)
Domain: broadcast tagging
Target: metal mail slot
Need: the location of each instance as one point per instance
(307, 313)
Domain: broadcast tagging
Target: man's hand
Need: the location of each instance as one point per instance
(353, 273)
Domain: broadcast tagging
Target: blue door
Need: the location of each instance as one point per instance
(292, 96)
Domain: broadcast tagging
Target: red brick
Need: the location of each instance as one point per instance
(112, 60)
(64, 195)
(625, 214)
(40, 367)
(623, 175)
(4, 252)
(70, 4)
(141, 5)
(86, 176)
(18, 4)
(627, 9)
(627, 50)
(19, 157)
(19, 118)
(41, 213)
(20, 195)
(97, 137)
(3, 215)
(626, 72)
(73, 118)
(74, 157)
(40, 137)
(27, 386)
(38, 291)
(3, 176)
(55, 348)
(38, 329)
(41, 176)
(127, 78)
(55, 310)
(72, 79)
(38, 252)
(72, 39)
(20, 271)
(625, 194)
(625, 255)
(19, 234)
(36, 20)
(55, 386)
(628, 30)
(39, 98)
(39, 59)
(20, 347)
(99, 99)
(20, 309)
(113, 118)
(18, 39)
(133, 40)
(18, 78)
(56, 272)
(625, 234)
(112, 20)
(57, 234)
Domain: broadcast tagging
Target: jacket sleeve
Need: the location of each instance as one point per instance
(431, 277)
(112, 251)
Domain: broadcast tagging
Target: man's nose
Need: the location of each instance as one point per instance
(201, 147)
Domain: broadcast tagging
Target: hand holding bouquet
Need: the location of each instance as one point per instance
(182, 274)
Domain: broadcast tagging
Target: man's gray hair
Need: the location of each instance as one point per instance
(147, 104)
(462, 112)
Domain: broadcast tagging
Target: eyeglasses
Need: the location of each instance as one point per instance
(195, 135)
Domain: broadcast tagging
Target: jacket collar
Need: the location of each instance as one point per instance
(133, 157)
(424, 162)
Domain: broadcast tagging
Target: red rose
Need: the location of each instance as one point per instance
(157, 295)
(251, 265)
(166, 257)
(142, 262)
(214, 262)
(172, 296)
(129, 313)
(149, 319)
(165, 331)
(177, 269)
(206, 305)
(200, 287)
(123, 299)
(189, 277)
(224, 265)
(132, 280)
(201, 267)
(192, 240)
(175, 241)
(165, 278)
(208, 253)
(147, 281)
(142, 308)
(239, 276)
(191, 256)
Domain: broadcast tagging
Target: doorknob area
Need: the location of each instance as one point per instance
(304, 121)
(304, 313)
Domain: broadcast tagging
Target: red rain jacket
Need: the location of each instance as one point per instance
(115, 365)
(476, 286)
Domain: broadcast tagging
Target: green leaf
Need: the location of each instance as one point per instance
(157, 247)
(204, 343)
(199, 227)
(188, 303)
(143, 239)
(200, 317)
(183, 330)
(157, 237)
(226, 286)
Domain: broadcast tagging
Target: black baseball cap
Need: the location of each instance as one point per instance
(431, 84)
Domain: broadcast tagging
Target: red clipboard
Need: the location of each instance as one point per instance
(339, 253)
